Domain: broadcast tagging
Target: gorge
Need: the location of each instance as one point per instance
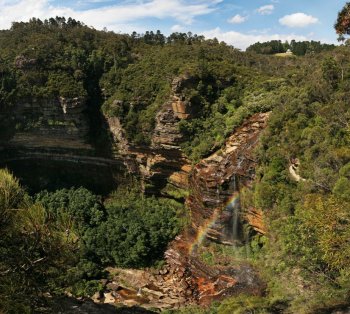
(59, 156)
(174, 174)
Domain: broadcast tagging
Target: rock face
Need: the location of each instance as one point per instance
(182, 108)
(294, 170)
(50, 123)
(255, 218)
(56, 130)
(216, 181)
(183, 281)
(214, 206)
(166, 134)
(207, 283)
(45, 143)
(162, 163)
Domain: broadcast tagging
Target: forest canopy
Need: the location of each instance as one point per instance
(62, 241)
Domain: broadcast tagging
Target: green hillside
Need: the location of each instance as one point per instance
(56, 242)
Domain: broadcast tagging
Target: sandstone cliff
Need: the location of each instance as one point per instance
(45, 143)
(51, 123)
(213, 182)
(57, 131)
(162, 163)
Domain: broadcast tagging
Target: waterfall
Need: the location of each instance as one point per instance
(235, 221)
(234, 206)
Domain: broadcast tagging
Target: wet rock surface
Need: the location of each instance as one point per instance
(216, 180)
(185, 279)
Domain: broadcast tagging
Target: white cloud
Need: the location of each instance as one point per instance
(237, 19)
(177, 28)
(266, 9)
(111, 16)
(242, 40)
(298, 20)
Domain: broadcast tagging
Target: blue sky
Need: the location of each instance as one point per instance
(237, 22)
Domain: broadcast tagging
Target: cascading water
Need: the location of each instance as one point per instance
(235, 221)
(230, 213)
(234, 207)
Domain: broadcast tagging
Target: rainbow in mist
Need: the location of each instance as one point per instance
(233, 201)
(203, 230)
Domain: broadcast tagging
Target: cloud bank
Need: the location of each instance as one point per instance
(114, 17)
(242, 41)
(298, 20)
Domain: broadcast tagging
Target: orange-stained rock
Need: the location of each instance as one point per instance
(255, 218)
(216, 180)
(212, 182)
(180, 108)
(179, 179)
(162, 162)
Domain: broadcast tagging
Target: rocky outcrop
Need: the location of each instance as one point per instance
(162, 163)
(216, 180)
(45, 143)
(255, 218)
(184, 280)
(22, 62)
(49, 123)
(166, 134)
(182, 107)
(214, 202)
(158, 165)
(294, 170)
(214, 184)
(209, 283)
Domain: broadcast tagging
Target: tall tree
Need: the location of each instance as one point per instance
(342, 26)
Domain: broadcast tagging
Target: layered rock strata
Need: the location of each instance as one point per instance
(216, 180)
(45, 143)
(162, 163)
(255, 218)
(57, 130)
(213, 182)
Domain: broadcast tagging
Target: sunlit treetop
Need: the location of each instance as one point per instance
(342, 26)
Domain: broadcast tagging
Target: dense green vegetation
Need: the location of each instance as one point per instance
(308, 221)
(60, 241)
(298, 48)
(35, 250)
(130, 77)
(220, 81)
(303, 258)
